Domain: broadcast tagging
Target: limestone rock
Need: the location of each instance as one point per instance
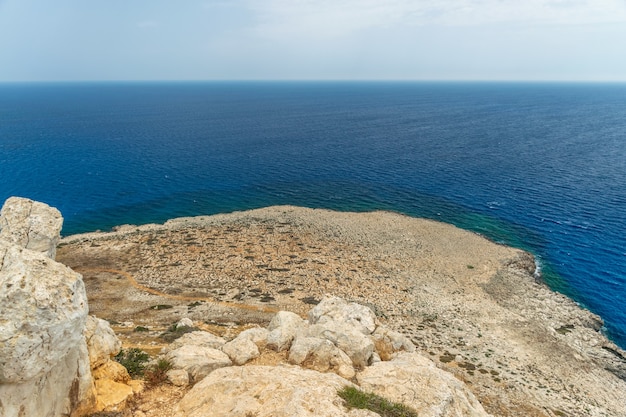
(339, 310)
(416, 382)
(283, 328)
(43, 307)
(178, 377)
(351, 341)
(265, 391)
(184, 322)
(388, 342)
(258, 335)
(102, 342)
(112, 396)
(320, 355)
(241, 350)
(31, 225)
(111, 370)
(198, 361)
(197, 338)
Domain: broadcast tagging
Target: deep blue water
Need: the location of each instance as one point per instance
(537, 166)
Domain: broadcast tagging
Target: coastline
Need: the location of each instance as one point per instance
(470, 304)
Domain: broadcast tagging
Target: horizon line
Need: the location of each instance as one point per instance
(321, 80)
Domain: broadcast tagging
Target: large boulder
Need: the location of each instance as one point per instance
(265, 391)
(111, 379)
(31, 225)
(349, 339)
(389, 342)
(44, 363)
(339, 310)
(282, 330)
(198, 361)
(320, 355)
(416, 382)
(198, 338)
(257, 335)
(241, 350)
(102, 342)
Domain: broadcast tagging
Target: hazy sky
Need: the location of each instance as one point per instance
(312, 39)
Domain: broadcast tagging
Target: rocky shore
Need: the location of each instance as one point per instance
(470, 307)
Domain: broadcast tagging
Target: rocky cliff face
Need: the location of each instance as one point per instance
(48, 345)
(44, 363)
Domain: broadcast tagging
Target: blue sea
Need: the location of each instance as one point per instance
(537, 166)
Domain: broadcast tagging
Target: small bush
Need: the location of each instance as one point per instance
(134, 360)
(355, 398)
(157, 373)
(141, 329)
(173, 332)
(161, 307)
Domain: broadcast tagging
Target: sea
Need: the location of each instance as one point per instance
(538, 166)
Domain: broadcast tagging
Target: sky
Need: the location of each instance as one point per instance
(90, 40)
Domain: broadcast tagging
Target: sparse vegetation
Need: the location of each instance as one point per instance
(134, 360)
(141, 329)
(174, 332)
(356, 398)
(157, 373)
(161, 307)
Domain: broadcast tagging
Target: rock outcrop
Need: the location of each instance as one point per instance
(341, 342)
(111, 379)
(54, 360)
(262, 391)
(31, 225)
(44, 363)
(415, 381)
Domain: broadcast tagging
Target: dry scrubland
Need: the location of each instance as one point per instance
(472, 306)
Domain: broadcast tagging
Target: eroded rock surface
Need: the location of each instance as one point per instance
(44, 363)
(265, 391)
(31, 225)
(415, 381)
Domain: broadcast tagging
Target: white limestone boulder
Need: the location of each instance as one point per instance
(339, 310)
(184, 322)
(258, 335)
(102, 343)
(31, 225)
(320, 355)
(282, 330)
(265, 391)
(388, 343)
(351, 341)
(198, 361)
(241, 350)
(44, 363)
(198, 338)
(178, 377)
(415, 381)
(43, 309)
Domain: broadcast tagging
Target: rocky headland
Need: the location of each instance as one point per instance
(287, 305)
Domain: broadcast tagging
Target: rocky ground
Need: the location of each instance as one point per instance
(471, 305)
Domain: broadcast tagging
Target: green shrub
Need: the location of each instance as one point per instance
(134, 360)
(356, 398)
(173, 332)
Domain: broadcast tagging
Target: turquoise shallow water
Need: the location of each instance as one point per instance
(537, 166)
